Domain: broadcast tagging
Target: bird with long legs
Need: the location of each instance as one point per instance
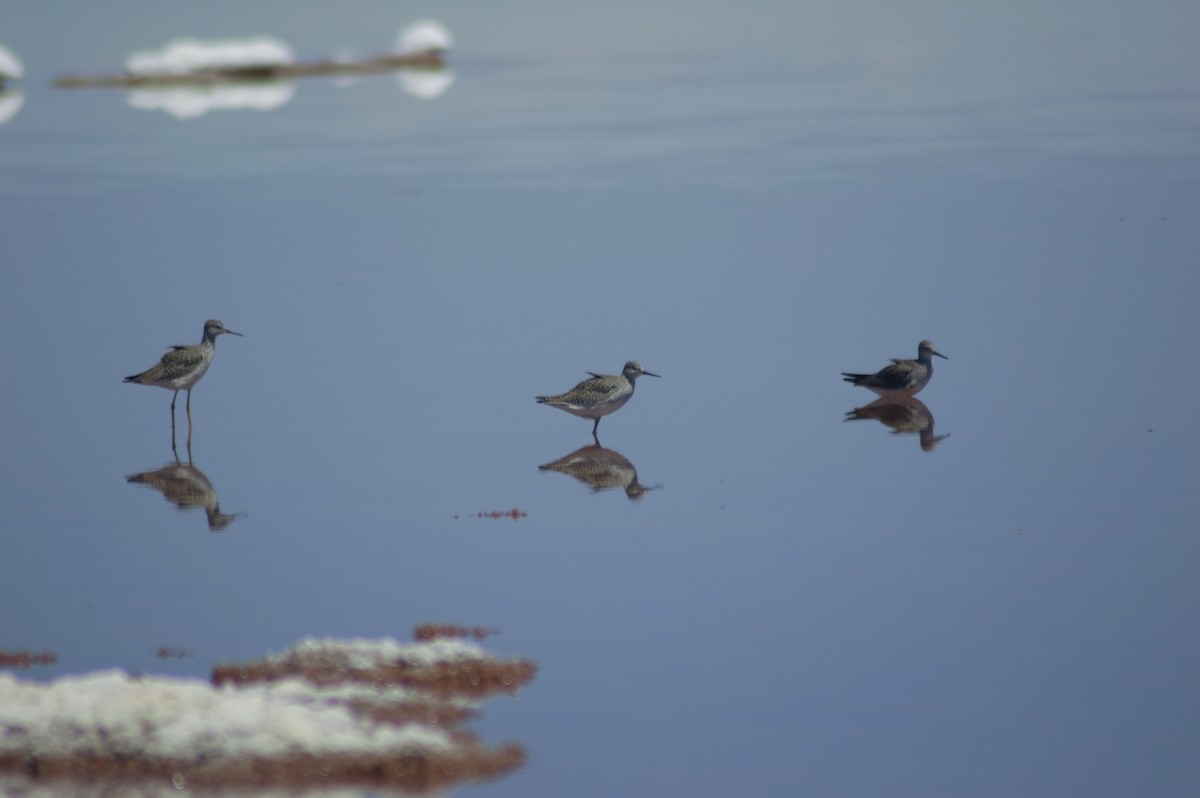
(183, 367)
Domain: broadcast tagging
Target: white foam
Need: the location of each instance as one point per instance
(361, 653)
(189, 102)
(110, 712)
(184, 56)
(10, 105)
(10, 65)
(425, 85)
(422, 36)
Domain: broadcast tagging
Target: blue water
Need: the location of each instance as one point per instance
(749, 203)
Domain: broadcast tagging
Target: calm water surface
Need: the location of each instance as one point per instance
(748, 203)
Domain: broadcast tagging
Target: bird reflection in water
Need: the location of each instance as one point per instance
(600, 469)
(906, 415)
(186, 486)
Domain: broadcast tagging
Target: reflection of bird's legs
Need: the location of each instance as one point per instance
(174, 451)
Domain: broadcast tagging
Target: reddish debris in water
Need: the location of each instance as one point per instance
(26, 659)
(429, 631)
(514, 514)
(167, 652)
(417, 773)
(473, 678)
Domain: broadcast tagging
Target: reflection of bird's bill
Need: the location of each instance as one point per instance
(929, 442)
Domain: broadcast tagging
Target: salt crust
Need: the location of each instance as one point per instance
(364, 654)
(24, 788)
(183, 56)
(111, 712)
(424, 35)
(10, 65)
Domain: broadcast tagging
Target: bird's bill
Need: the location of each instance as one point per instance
(939, 354)
(231, 332)
(651, 374)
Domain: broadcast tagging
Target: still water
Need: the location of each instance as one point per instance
(994, 595)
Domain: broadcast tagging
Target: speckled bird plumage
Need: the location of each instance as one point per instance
(599, 396)
(182, 367)
(600, 469)
(186, 487)
(903, 377)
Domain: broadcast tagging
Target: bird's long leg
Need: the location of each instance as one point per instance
(595, 427)
(173, 397)
(189, 415)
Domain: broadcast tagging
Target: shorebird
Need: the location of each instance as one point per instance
(182, 367)
(599, 396)
(903, 377)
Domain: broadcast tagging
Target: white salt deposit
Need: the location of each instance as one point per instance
(423, 36)
(17, 785)
(10, 104)
(10, 65)
(359, 653)
(425, 85)
(111, 712)
(183, 56)
(189, 102)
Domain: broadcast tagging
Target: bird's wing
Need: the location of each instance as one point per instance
(183, 356)
(597, 385)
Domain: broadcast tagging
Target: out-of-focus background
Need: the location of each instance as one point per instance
(755, 595)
